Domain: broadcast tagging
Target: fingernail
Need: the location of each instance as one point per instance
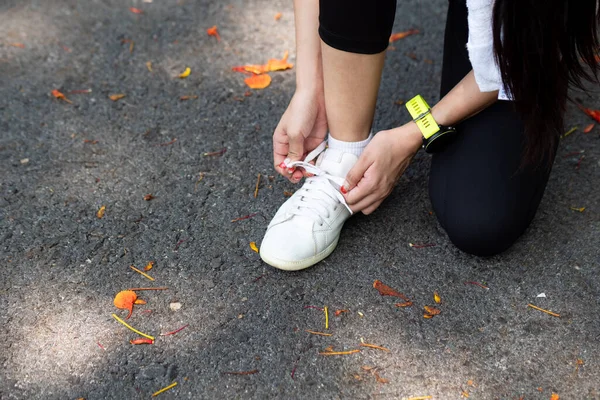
(343, 189)
(292, 169)
(282, 165)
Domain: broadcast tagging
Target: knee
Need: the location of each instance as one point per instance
(483, 236)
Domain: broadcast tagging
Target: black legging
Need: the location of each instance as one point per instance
(480, 196)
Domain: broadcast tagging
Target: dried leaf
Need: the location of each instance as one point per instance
(380, 379)
(589, 128)
(125, 300)
(437, 298)
(115, 97)
(402, 35)
(149, 197)
(212, 31)
(142, 341)
(185, 73)
(278, 16)
(253, 247)
(150, 264)
(149, 65)
(101, 211)
(405, 304)
(427, 316)
(60, 96)
(432, 310)
(184, 98)
(258, 81)
(339, 312)
(595, 114)
(554, 396)
(580, 209)
(139, 302)
(135, 10)
(385, 290)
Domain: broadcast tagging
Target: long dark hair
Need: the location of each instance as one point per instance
(541, 49)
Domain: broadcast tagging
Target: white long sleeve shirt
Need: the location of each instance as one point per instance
(480, 45)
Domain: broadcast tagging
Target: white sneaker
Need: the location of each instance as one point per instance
(306, 228)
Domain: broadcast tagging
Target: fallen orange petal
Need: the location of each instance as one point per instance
(125, 300)
(589, 128)
(212, 31)
(554, 396)
(115, 97)
(402, 35)
(278, 16)
(432, 310)
(595, 114)
(139, 301)
(142, 341)
(258, 81)
(385, 290)
(19, 45)
(150, 264)
(437, 298)
(60, 96)
(254, 247)
(135, 10)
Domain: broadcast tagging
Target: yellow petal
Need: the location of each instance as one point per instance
(115, 97)
(253, 247)
(185, 73)
(437, 298)
(100, 212)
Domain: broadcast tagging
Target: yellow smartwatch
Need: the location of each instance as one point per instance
(435, 137)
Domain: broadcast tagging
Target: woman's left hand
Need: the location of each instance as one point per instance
(380, 166)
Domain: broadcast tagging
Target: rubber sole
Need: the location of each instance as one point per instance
(302, 264)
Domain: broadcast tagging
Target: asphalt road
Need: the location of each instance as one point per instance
(61, 266)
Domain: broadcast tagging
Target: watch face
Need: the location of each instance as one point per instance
(440, 140)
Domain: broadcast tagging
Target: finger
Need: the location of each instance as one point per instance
(364, 188)
(366, 203)
(356, 173)
(296, 146)
(370, 209)
(280, 151)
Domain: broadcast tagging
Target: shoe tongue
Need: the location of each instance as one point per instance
(336, 162)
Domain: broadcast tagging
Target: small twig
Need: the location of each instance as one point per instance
(476, 284)
(326, 311)
(315, 307)
(171, 386)
(133, 329)
(175, 331)
(254, 371)
(167, 143)
(338, 353)
(215, 153)
(294, 369)
(579, 162)
(259, 278)
(567, 133)
(542, 310)
(102, 347)
(244, 217)
(420, 246)
(149, 288)
(141, 272)
(256, 188)
(319, 333)
(373, 346)
(178, 244)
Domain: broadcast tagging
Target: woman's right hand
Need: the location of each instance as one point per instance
(301, 129)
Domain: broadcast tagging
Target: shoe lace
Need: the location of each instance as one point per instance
(320, 192)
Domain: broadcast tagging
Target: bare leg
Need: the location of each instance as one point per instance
(351, 83)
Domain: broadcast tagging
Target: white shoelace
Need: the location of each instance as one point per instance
(318, 194)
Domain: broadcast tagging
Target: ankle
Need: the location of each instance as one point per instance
(353, 147)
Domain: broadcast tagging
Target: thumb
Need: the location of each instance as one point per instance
(355, 174)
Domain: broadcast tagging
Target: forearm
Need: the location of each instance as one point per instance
(309, 71)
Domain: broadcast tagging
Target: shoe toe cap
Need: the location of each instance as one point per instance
(286, 244)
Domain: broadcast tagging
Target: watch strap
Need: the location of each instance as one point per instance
(421, 113)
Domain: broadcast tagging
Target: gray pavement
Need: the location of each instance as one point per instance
(60, 266)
